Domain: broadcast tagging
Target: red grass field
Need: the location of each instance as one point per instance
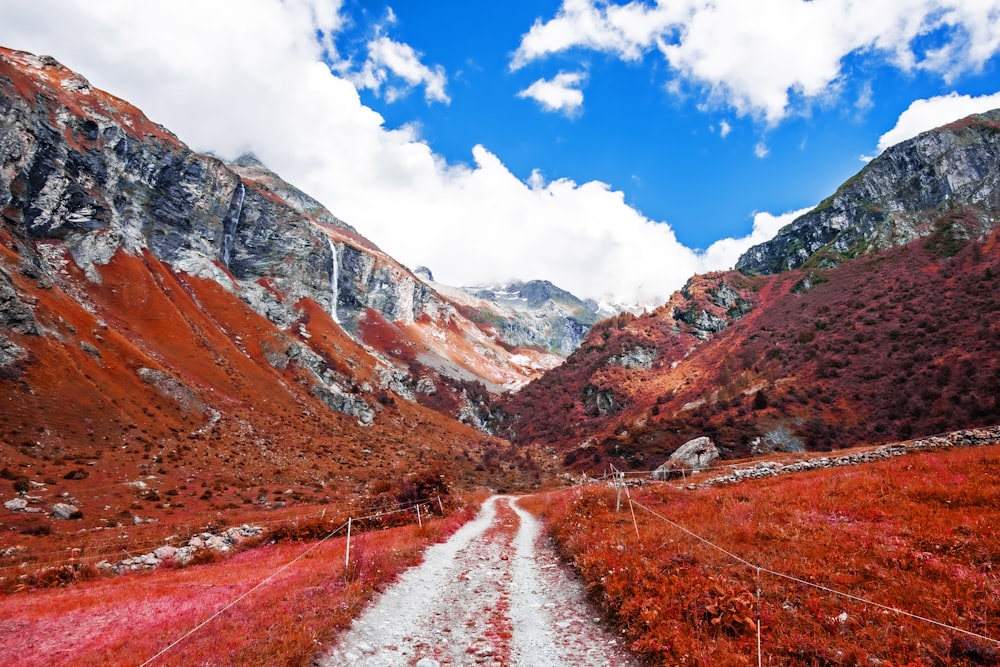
(286, 621)
(920, 533)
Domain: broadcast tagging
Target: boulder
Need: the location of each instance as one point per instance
(693, 455)
(64, 511)
(166, 553)
(16, 504)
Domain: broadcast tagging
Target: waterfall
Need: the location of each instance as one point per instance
(334, 277)
(229, 224)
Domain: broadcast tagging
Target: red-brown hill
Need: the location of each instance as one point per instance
(897, 344)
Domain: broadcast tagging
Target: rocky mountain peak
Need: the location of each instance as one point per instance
(89, 183)
(942, 181)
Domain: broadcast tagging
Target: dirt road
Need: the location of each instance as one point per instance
(493, 594)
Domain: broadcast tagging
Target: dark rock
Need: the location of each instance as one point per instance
(898, 197)
(65, 512)
(15, 314)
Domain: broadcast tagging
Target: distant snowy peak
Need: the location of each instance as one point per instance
(535, 313)
(532, 294)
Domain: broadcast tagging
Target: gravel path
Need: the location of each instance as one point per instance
(493, 594)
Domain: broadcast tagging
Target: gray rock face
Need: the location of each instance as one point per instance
(10, 353)
(537, 313)
(601, 401)
(897, 198)
(639, 356)
(15, 314)
(693, 455)
(722, 306)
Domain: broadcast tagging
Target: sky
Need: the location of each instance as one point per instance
(614, 149)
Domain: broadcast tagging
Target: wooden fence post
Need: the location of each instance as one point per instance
(347, 552)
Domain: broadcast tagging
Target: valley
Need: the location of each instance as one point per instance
(194, 351)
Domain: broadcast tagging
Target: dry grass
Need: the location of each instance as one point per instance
(287, 621)
(920, 534)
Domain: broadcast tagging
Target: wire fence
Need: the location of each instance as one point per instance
(416, 506)
(20, 562)
(760, 570)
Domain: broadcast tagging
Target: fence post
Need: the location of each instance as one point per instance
(759, 655)
(420, 523)
(347, 552)
(441, 505)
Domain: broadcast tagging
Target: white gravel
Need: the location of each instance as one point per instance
(482, 598)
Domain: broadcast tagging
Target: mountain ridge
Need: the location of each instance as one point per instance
(896, 198)
(811, 341)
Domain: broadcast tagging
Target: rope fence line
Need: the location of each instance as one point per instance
(113, 548)
(240, 597)
(347, 524)
(759, 569)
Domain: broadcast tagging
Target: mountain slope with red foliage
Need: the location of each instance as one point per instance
(893, 345)
(173, 348)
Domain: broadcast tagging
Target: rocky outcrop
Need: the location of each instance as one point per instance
(638, 356)
(598, 401)
(15, 314)
(694, 455)
(942, 181)
(708, 304)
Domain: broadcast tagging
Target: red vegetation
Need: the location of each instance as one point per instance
(896, 345)
(169, 400)
(918, 534)
(52, 80)
(286, 621)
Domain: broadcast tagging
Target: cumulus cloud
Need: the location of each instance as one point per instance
(723, 253)
(623, 30)
(933, 112)
(390, 61)
(562, 94)
(761, 150)
(252, 76)
(724, 129)
(728, 49)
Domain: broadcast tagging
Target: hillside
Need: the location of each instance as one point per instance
(894, 343)
(182, 338)
(688, 577)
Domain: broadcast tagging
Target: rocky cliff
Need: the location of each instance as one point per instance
(942, 182)
(86, 176)
(167, 317)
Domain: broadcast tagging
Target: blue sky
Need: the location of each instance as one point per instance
(613, 148)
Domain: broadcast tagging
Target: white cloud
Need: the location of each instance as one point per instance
(724, 129)
(250, 77)
(761, 150)
(388, 60)
(723, 254)
(927, 114)
(562, 94)
(623, 30)
(757, 57)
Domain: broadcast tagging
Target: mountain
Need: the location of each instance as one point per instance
(942, 182)
(174, 322)
(533, 314)
(869, 319)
